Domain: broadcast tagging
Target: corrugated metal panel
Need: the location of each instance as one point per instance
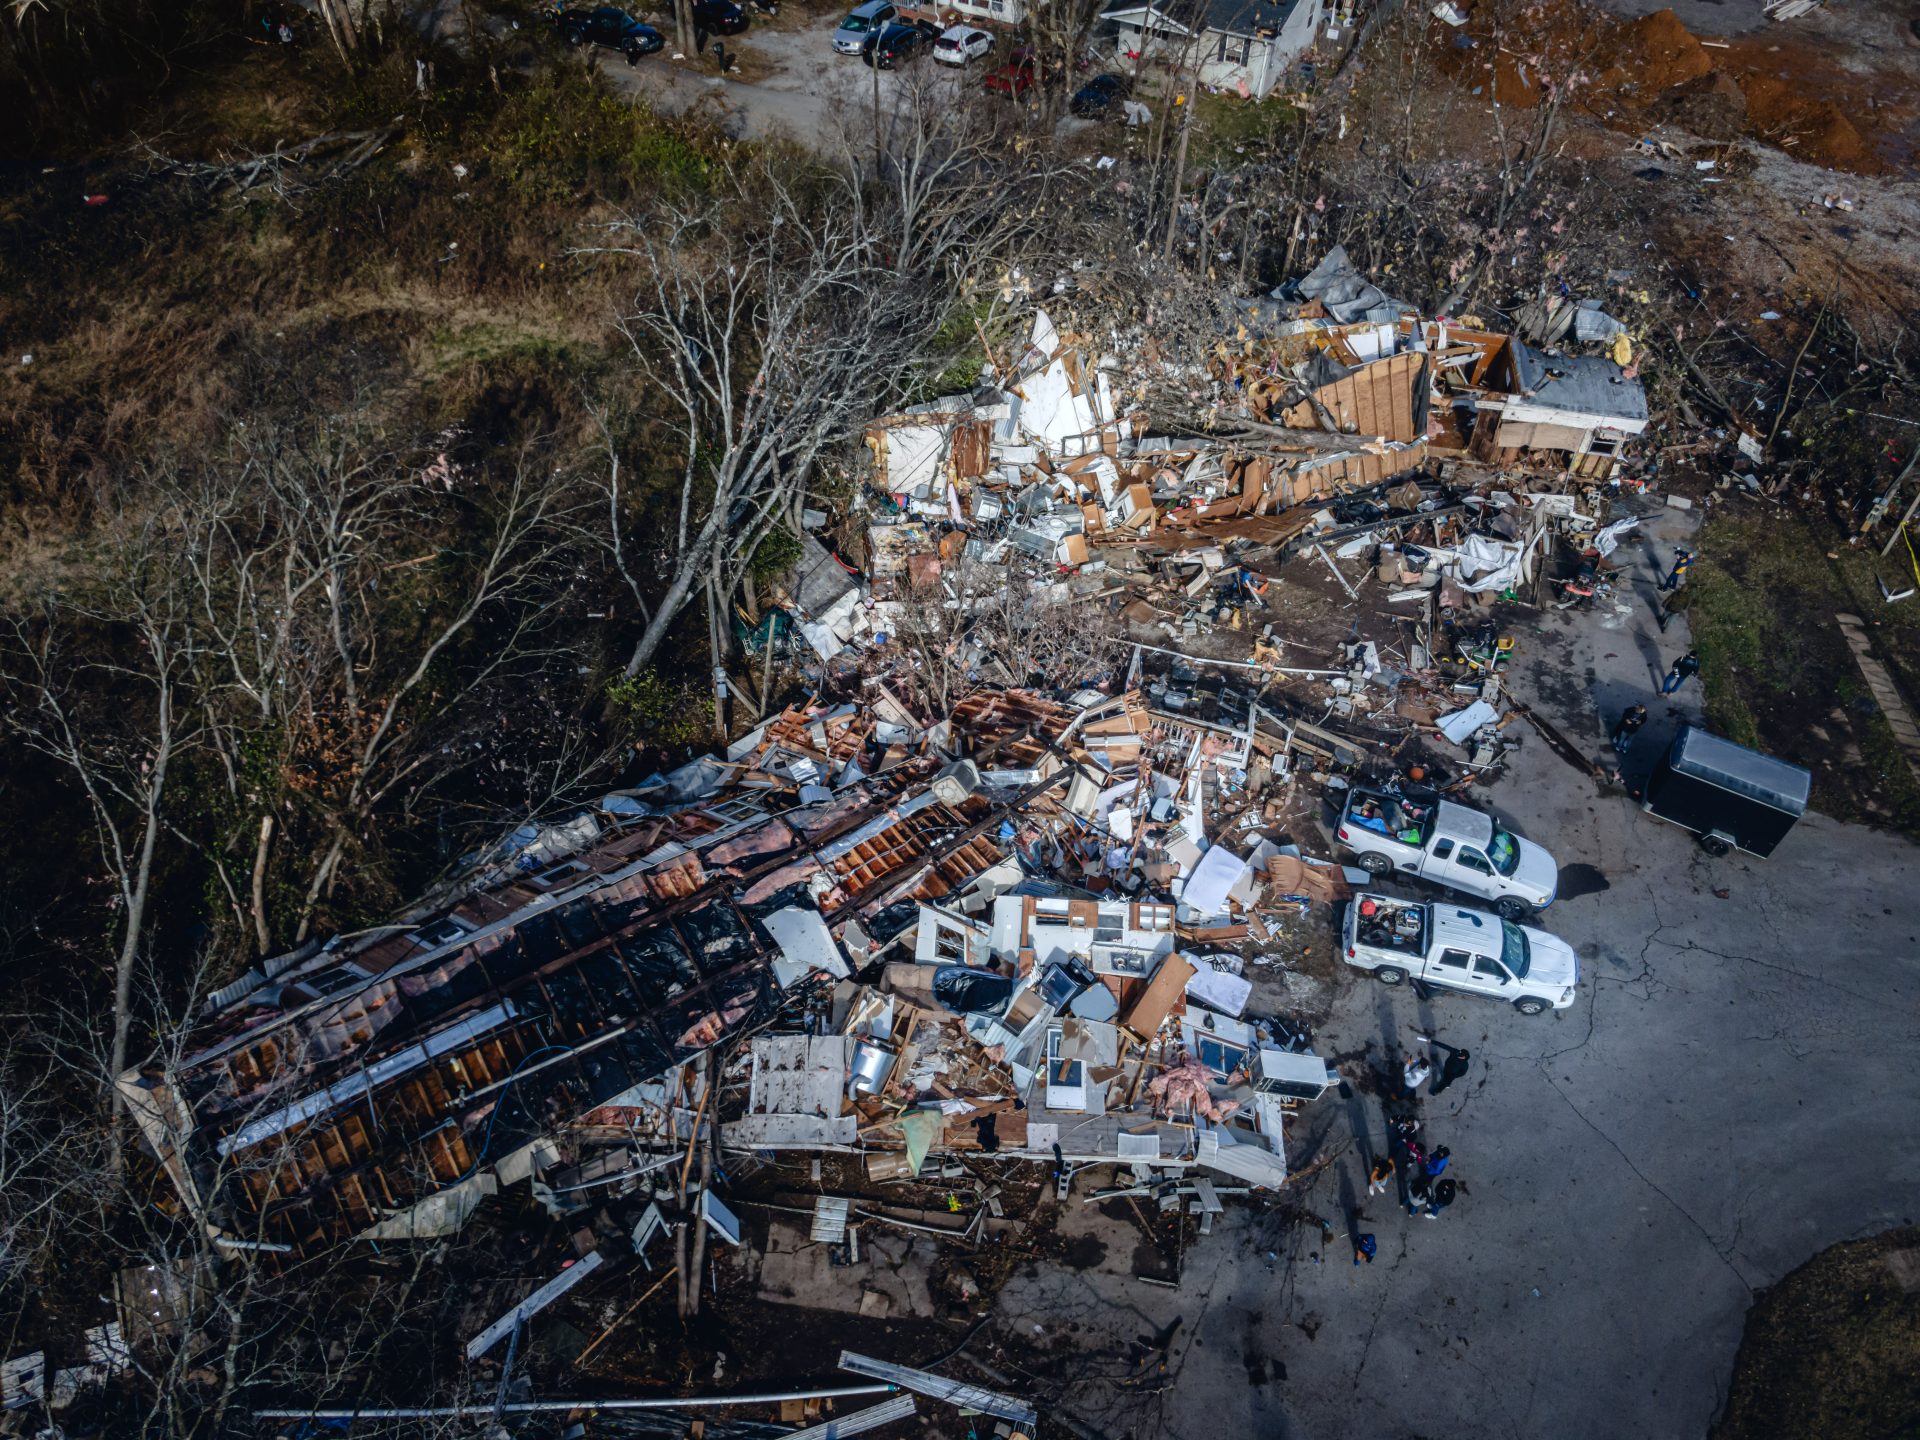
(830, 1219)
(900, 1407)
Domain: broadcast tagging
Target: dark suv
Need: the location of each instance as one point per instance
(899, 43)
(1101, 97)
(718, 17)
(609, 27)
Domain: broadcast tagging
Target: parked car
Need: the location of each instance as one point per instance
(1731, 797)
(962, 44)
(718, 17)
(610, 28)
(1016, 77)
(1452, 948)
(1100, 97)
(1452, 845)
(897, 44)
(862, 22)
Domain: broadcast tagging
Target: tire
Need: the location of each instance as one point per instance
(1531, 1005)
(1390, 975)
(1716, 846)
(1508, 908)
(1375, 864)
(574, 38)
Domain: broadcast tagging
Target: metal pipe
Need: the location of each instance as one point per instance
(1237, 664)
(536, 1407)
(271, 1247)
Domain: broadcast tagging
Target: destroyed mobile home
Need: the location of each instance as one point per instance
(1044, 922)
(381, 1088)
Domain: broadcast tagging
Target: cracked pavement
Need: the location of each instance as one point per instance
(1725, 1099)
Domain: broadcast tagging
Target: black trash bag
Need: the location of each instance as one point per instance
(968, 991)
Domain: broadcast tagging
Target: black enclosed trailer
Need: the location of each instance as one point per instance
(1728, 795)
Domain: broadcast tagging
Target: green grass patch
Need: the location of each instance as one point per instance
(1779, 674)
(1833, 1350)
(1229, 130)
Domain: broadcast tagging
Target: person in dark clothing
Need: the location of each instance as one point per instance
(1684, 669)
(1437, 1162)
(1364, 1248)
(1443, 1193)
(1628, 726)
(1455, 1067)
(1675, 604)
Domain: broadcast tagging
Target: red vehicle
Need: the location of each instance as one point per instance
(1016, 77)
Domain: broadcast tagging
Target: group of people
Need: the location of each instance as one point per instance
(1674, 587)
(1425, 1187)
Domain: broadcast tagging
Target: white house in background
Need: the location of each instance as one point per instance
(1003, 12)
(1238, 45)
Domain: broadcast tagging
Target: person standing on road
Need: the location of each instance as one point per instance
(1436, 1162)
(1414, 1074)
(1443, 1193)
(1454, 1067)
(1380, 1176)
(1626, 727)
(1684, 669)
(1682, 558)
(1364, 1248)
(1419, 1188)
(1674, 605)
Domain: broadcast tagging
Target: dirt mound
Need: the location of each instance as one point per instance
(1630, 74)
(1713, 107)
(1812, 130)
(1647, 57)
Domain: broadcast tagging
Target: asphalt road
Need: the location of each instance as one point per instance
(1727, 1097)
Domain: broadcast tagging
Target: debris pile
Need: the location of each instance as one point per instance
(1068, 908)
(1056, 924)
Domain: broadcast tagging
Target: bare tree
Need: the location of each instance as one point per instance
(352, 605)
(119, 720)
(765, 346)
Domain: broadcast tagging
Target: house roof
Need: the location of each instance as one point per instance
(1230, 17)
(1581, 384)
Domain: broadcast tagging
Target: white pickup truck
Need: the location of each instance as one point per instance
(1458, 949)
(1451, 845)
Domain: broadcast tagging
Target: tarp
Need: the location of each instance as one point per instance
(922, 1128)
(1608, 540)
(1347, 295)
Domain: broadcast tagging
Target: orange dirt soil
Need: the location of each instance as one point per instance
(1636, 74)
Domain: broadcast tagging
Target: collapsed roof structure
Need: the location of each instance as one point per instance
(380, 1087)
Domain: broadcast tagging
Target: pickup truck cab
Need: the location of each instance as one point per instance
(1451, 845)
(1453, 948)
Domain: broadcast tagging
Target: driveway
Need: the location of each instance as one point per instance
(1726, 1098)
(792, 84)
